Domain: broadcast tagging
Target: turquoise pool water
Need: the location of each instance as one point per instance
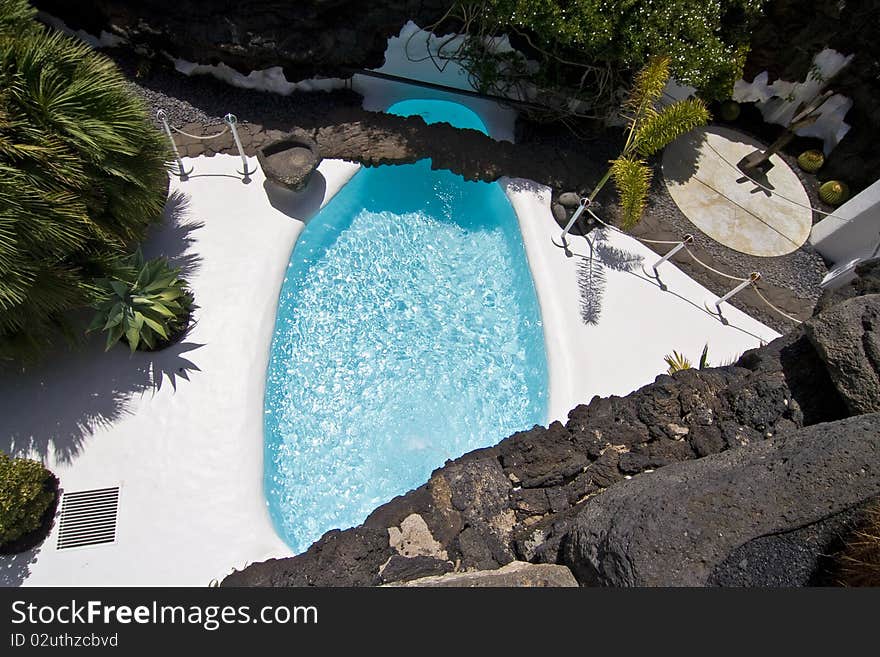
(408, 332)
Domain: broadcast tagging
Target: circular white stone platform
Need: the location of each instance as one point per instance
(719, 200)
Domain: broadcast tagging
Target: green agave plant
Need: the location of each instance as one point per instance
(147, 305)
(650, 130)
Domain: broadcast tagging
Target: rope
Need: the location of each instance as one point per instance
(206, 137)
(640, 239)
(712, 269)
(768, 189)
(764, 299)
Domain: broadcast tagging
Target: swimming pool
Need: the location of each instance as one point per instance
(408, 332)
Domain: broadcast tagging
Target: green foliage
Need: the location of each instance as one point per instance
(811, 161)
(677, 362)
(706, 40)
(833, 192)
(632, 178)
(24, 497)
(647, 88)
(650, 130)
(729, 110)
(659, 129)
(146, 305)
(704, 357)
(82, 176)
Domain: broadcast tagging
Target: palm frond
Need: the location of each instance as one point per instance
(82, 177)
(660, 129)
(649, 84)
(632, 178)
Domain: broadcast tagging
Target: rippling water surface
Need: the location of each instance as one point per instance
(408, 332)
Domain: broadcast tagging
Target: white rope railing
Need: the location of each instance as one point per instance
(679, 245)
(230, 120)
(202, 137)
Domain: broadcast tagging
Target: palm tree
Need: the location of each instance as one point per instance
(649, 130)
(82, 176)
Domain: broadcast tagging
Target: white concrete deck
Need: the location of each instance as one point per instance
(607, 327)
(181, 430)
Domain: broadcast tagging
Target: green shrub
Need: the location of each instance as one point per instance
(588, 49)
(82, 176)
(146, 305)
(833, 192)
(729, 110)
(24, 497)
(811, 161)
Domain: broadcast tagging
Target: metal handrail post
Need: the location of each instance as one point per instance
(182, 173)
(231, 120)
(687, 240)
(754, 277)
(585, 203)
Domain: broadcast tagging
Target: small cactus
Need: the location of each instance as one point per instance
(729, 110)
(833, 192)
(811, 161)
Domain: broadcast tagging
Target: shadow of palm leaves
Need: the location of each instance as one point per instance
(592, 279)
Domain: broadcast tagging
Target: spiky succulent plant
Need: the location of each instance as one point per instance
(146, 305)
(834, 192)
(811, 161)
(650, 130)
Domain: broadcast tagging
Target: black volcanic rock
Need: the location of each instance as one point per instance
(675, 526)
(307, 38)
(847, 338)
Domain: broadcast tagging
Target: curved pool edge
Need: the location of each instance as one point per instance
(531, 204)
(337, 174)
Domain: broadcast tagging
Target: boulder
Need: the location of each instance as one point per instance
(570, 200)
(339, 558)
(514, 574)
(676, 526)
(290, 161)
(847, 339)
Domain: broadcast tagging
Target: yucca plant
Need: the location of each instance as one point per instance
(650, 130)
(82, 176)
(146, 305)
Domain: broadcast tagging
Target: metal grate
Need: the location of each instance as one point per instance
(88, 517)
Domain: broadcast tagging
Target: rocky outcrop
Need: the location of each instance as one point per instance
(514, 574)
(847, 339)
(705, 477)
(677, 525)
(308, 38)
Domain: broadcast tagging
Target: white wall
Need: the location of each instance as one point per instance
(853, 231)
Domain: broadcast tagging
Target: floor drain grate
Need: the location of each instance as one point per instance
(88, 517)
